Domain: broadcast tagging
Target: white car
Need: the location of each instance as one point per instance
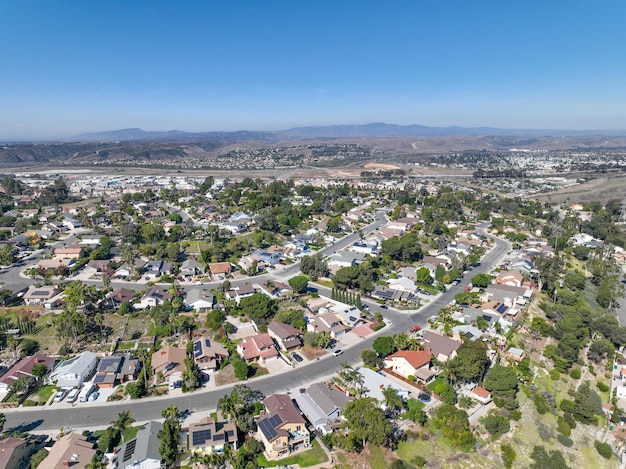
(337, 352)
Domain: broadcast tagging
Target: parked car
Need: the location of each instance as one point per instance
(93, 396)
(60, 395)
(297, 357)
(337, 352)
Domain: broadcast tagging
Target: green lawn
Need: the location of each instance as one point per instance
(130, 433)
(44, 393)
(377, 458)
(433, 384)
(315, 455)
(429, 288)
(433, 449)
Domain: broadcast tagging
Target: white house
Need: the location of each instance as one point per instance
(75, 371)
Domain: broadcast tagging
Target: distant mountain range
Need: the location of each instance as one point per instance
(376, 129)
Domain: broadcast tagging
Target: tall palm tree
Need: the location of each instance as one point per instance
(351, 380)
(3, 420)
(227, 405)
(392, 399)
(123, 421)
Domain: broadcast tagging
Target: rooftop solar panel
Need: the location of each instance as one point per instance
(99, 378)
(200, 437)
(130, 449)
(267, 429)
(501, 309)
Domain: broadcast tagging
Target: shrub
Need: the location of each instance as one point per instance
(419, 461)
(565, 441)
(554, 374)
(575, 373)
(602, 386)
(603, 449)
(541, 404)
(508, 455)
(563, 427)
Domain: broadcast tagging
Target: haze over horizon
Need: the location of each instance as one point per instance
(72, 67)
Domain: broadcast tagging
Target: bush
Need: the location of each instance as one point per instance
(575, 373)
(419, 461)
(541, 404)
(602, 386)
(508, 455)
(565, 441)
(554, 374)
(563, 427)
(603, 449)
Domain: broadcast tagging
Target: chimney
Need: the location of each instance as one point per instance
(66, 464)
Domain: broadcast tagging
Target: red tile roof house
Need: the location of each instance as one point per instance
(287, 336)
(23, 368)
(481, 395)
(257, 347)
(411, 363)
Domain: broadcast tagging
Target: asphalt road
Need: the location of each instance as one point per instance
(99, 415)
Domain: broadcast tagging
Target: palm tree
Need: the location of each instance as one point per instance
(123, 421)
(3, 420)
(392, 399)
(227, 405)
(351, 380)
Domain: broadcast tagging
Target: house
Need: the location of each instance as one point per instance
(365, 248)
(241, 292)
(466, 332)
(190, 268)
(322, 405)
(515, 353)
(209, 436)
(402, 284)
(199, 299)
(75, 371)
(153, 297)
(267, 258)
(208, 354)
(287, 336)
(71, 450)
(326, 322)
(257, 347)
(235, 227)
(481, 395)
(349, 315)
(115, 298)
(154, 269)
(70, 252)
(15, 453)
(374, 383)
(220, 270)
(142, 452)
(282, 430)
(35, 296)
(346, 259)
(512, 278)
(410, 363)
(109, 371)
(441, 347)
(24, 368)
(168, 360)
(72, 223)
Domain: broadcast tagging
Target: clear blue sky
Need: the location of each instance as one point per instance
(69, 66)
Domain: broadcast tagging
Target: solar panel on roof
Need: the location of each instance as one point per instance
(39, 293)
(218, 437)
(486, 317)
(469, 335)
(501, 309)
(99, 378)
(267, 429)
(200, 437)
(130, 449)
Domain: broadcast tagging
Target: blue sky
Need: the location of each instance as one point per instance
(68, 67)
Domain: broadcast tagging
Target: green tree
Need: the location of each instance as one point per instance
(453, 423)
(3, 421)
(367, 423)
(392, 399)
(587, 404)
(39, 370)
(371, 359)
(502, 383)
(122, 422)
(481, 280)
(299, 283)
(496, 424)
(169, 435)
(543, 460)
(508, 455)
(241, 369)
(422, 275)
(471, 361)
(37, 458)
(384, 345)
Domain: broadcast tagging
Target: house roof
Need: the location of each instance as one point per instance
(327, 399)
(168, 355)
(7, 447)
(220, 268)
(260, 345)
(282, 330)
(481, 392)
(208, 432)
(415, 358)
(440, 344)
(281, 404)
(77, 365)
(71, 447)
(144, 446)
(25, 366)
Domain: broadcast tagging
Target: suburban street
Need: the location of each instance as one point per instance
(97, 415)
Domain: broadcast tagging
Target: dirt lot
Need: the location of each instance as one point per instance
(602, 189)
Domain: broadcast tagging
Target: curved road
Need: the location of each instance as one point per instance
(100, 415)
